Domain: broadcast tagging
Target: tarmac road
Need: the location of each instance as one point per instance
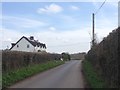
(67, 75)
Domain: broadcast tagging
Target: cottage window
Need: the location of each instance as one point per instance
(17, 46)
(28, 46)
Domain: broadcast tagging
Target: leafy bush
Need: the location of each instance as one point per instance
(65, 56)
(12, 60)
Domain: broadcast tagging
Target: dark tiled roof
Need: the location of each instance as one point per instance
(33, 42)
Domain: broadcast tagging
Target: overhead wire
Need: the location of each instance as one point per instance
(100, 7)
(80, 42)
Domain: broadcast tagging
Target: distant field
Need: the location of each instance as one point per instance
(77, 56)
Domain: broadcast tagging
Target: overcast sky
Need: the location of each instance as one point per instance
(62, 26)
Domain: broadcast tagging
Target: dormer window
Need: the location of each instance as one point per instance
(28, 46)
(17, 46)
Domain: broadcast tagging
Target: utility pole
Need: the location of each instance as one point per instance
(93, 39)
(93, 23)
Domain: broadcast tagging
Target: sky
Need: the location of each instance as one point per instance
(62, 26)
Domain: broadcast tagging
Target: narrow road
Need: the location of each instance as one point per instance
(67, 75)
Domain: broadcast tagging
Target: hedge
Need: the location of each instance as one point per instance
(105, 58)
(12, 60)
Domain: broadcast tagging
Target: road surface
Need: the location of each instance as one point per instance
(67, 75)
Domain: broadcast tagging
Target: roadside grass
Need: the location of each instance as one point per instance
(93, 79)
(1, 80)
(22, 73)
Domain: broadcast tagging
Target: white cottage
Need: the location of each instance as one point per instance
(28, 45)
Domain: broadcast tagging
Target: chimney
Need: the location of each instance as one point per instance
(13, 44)
(31, 38)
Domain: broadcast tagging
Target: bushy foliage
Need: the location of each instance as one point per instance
(12, 60)
(104, 58)
(65, 56)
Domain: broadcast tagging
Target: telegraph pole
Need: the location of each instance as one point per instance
(93, 35)
(93, 23)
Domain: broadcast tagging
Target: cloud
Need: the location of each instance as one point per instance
(52, 8)
(112, 1)
(74, 8)
(110, 4)
(69, 41)
(114, 4)
(21, 22)
(57, 0)
(7, 36)
(104, 25)
(77, 40)
(68, 18)
(52, 28)
(57, 41)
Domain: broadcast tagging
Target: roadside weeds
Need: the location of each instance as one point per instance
(92, 80)
(25, 72)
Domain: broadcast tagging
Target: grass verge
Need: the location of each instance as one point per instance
(93, 79)
(0, 80)
(22, 73)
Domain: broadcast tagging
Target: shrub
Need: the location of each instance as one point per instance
(12, 60)
(104, 58)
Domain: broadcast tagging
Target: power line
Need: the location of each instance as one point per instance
(100, 7)
(93, 21)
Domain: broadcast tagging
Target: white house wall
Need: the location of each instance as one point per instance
(42, 49)
(39, 48)
(23, 46)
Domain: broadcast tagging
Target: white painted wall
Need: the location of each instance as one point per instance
(23, 46)
(40, 48)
